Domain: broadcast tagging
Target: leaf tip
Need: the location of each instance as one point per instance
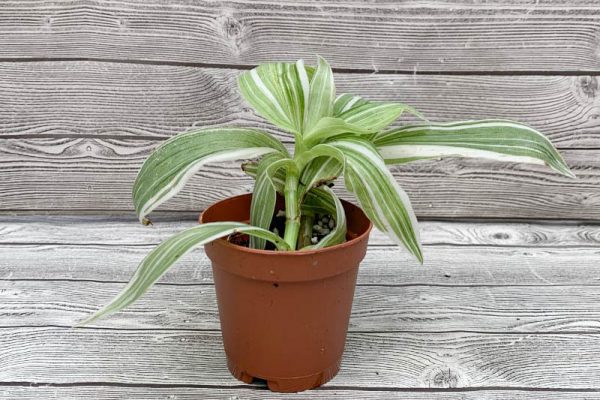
(86, 321)
(419, 255)
(145, 221)
(568, 173)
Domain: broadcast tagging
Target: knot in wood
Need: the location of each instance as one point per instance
(444, 376)
(232, 30)
(231, 27)
(589, 86)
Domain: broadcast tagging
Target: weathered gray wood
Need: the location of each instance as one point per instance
(100, 230)
(444, 265)
(426, 35)
(526, 309)
(111, 99)
(102, 392)
(383, 360)
(81, 129)
(97, 174)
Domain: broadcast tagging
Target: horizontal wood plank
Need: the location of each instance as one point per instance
(526, 309)
(460, 35)
(444, 265)
(381, 360)
(94, 99)
(106, 392)
(97, 174)
(100, 230)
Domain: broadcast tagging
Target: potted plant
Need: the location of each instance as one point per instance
(285, 257)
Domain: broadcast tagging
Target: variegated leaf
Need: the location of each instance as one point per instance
(175, 161)
(264, 197)
(329, 127)
(378, 193)
(319, 165)
(279, 92)
(324, 198)
(251, 169)
(320, 170)
(168, 252)
(493, 139)
(320, 97)
(370, 115)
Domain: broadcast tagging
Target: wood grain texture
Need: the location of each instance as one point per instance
(104, 392)
(499, 310)
(97, 174)
(444, 265)
(525, 309)
(100, 230)
(463, 35)
(94, 99)
(381, 360)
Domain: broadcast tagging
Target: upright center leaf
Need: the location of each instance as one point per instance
(321, 96)
(279, 93)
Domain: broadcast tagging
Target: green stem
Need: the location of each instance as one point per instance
(306, 230)
(292, 215)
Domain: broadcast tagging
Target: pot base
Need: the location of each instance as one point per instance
(287, 385)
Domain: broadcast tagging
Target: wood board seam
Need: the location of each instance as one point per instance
(243, 67)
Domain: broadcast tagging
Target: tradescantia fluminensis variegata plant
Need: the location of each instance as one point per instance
(334, 136)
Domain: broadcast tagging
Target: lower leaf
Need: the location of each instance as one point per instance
(378, 193)
(324, 199)
(264, 197)
(168, 252)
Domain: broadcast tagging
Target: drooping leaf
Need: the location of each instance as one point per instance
(378, 193)
(168, 252)
(493, 139)
(175, 161)
(324, 198)
(321, 96)
(264, 197)
(279, 92)
(371, 115)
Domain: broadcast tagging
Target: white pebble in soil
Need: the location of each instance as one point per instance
(323, 226)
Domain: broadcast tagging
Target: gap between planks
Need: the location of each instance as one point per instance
(245, 67)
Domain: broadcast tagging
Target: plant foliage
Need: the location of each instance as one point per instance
(334, 136)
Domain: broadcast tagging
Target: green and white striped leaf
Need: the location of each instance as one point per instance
(321, 96)
(320, 170)
(168, 252)
(175, 161)
(319, 165)
(251, 169)
(264, 197)
(492, 139)
(324, 198)
(370, 115)
(378, 193)
(329, 127)
(279, 92)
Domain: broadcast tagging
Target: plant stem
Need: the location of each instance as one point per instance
(292, 215)
(306, 230)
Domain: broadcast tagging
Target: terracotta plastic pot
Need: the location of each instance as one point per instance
(284, 315)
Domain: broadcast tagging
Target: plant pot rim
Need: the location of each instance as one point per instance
(288, 253)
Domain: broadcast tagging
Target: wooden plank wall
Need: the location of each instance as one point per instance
(88, 88)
